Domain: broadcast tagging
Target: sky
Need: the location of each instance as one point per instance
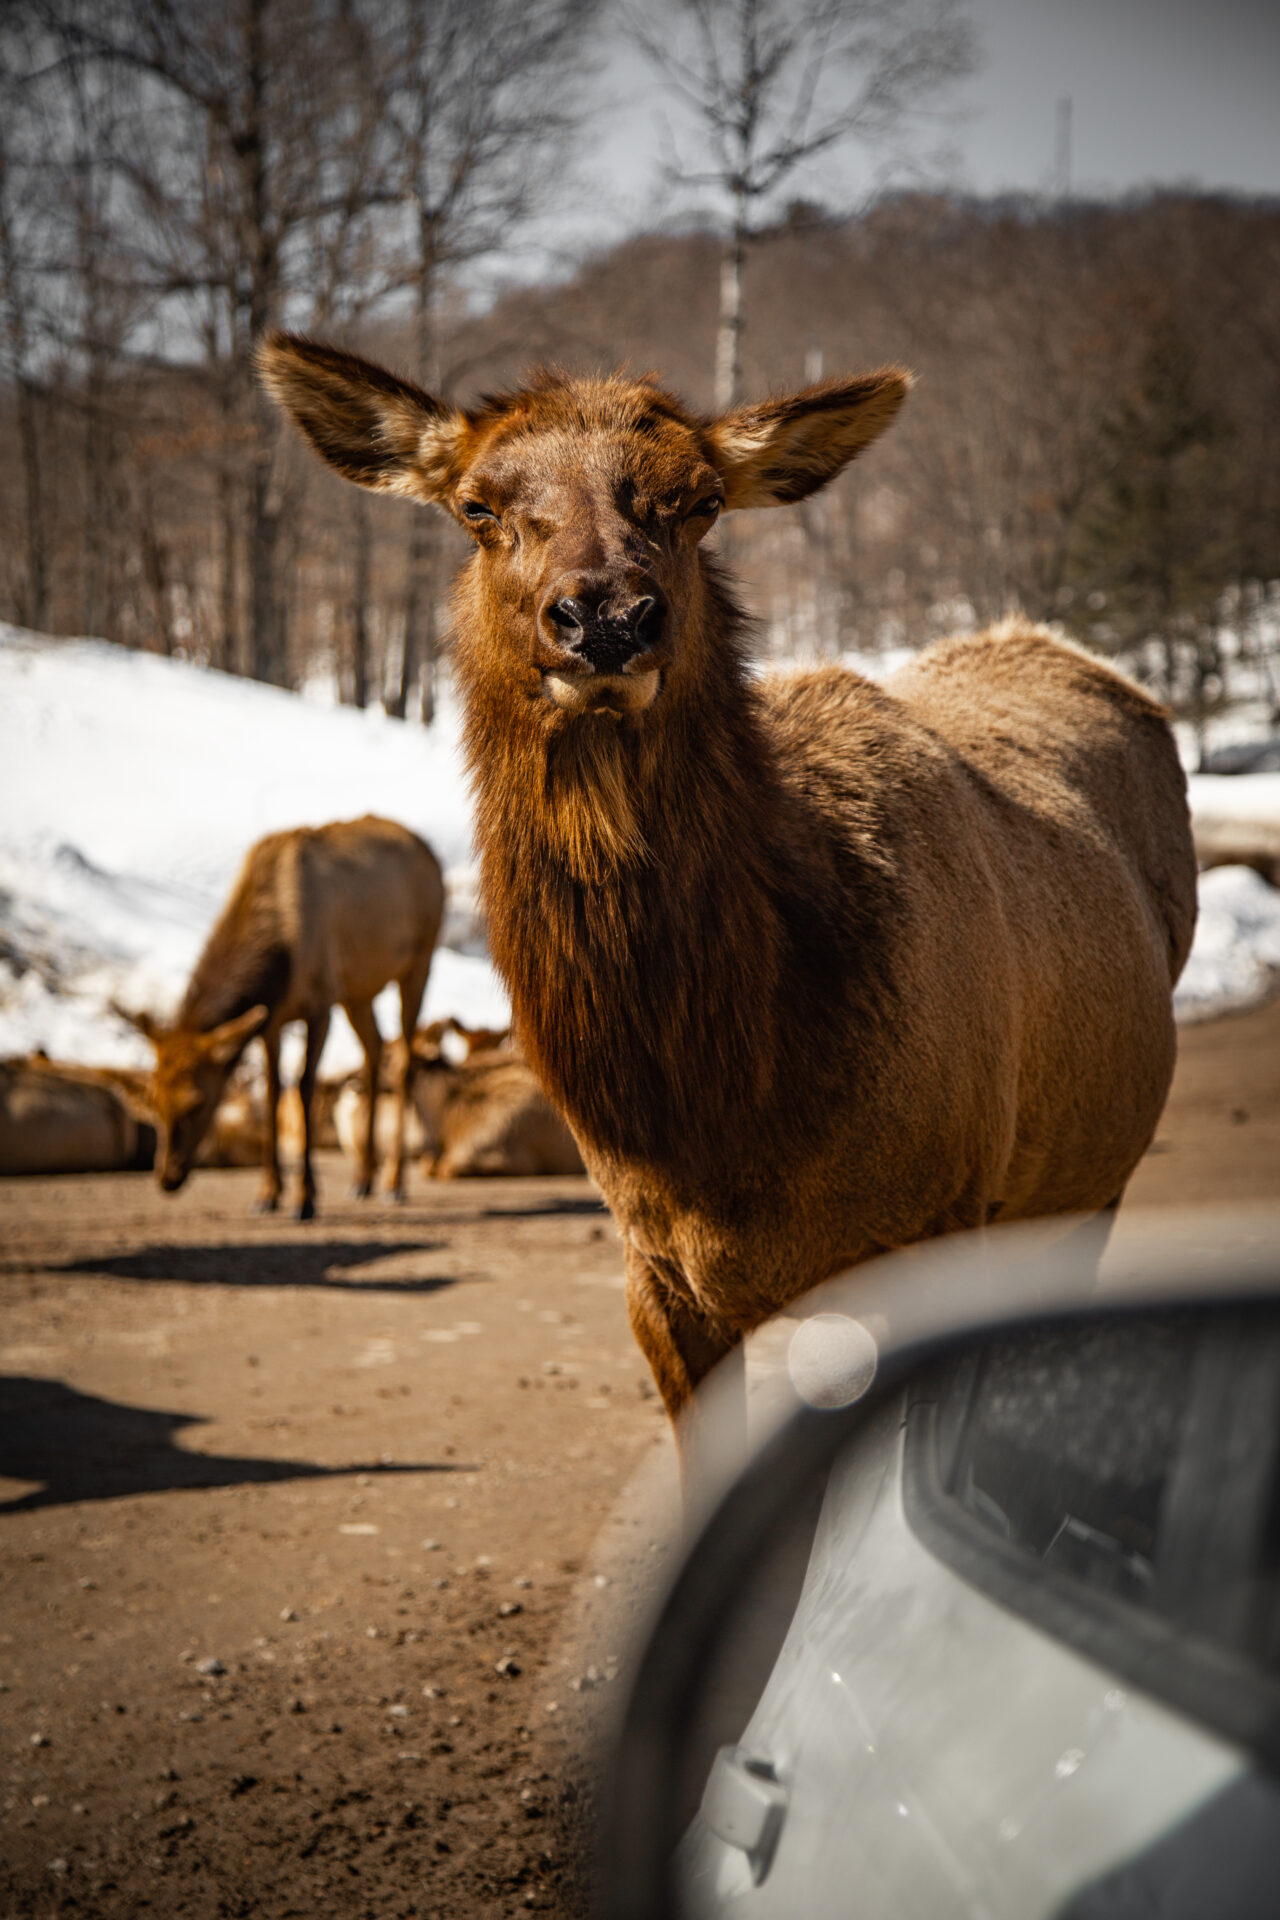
(1162, 92)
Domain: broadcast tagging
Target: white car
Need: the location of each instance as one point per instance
(1033, 1667)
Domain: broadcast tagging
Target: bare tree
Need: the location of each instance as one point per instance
(249, 173)
(21, 322)
(773, 84)
(479, 102)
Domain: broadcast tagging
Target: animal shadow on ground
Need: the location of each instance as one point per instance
(274, 1263)
(547, 1207)
(84, 1448)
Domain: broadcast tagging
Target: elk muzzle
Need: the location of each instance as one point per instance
(598, 644)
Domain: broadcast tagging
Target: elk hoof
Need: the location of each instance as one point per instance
(306, 1207)
(267, 1203)
(362, 1189)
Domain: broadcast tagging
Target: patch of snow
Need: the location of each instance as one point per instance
(1235, 961)
(131, 788)
(1242, 798)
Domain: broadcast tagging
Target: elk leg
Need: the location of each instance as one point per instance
(317, 1033)
(269, 1198)
(360, 1014)
(412, 988)
(682, 1346)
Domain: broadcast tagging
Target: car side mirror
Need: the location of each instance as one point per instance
(988, 1621)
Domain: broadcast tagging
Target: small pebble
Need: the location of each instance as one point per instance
(39, 1739)
(455, 1719)
(90, 1586)
(39, 1799)
(509, 1607)
(210, 1666)
(508, 1667)
(287, 1613)
(602, 1580)
(432, 1692)
(523, 1581)
(57, 1866)
(431, 1546)
(484, 1560)
(398, 1712)
(373, 1633)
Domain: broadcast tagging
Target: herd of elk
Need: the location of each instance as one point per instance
(319, 917)
(814, 967)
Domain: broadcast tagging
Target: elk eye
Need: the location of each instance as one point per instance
(706, 509)
(476, 510)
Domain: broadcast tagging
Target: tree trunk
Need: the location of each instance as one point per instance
(267, 639)
(35, 596)
(360, 604)
(418, 655)
(226, 655)
(729, 333)
(266, 619)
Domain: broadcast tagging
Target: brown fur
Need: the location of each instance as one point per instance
(59, 1118)
(813, 967)
(429, 1042)
(319, 916)
(489, 1116)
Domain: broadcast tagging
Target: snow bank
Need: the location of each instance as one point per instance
(130, 788)
(1236, 958)
(1236, 816)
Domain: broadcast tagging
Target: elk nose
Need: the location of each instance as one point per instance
(603, 634)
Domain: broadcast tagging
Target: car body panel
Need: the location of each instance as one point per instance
(939, 1755)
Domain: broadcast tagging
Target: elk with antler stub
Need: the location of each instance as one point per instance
(814, 967)
(319, 917)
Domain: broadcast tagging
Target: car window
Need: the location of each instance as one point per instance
(1118, 1481)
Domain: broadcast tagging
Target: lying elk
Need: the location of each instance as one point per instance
(814, 967)
(319, 917)
(485, 1114)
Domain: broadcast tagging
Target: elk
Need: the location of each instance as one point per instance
(60, 1118)
(318, 917)
(814, 967)
(486, 1115)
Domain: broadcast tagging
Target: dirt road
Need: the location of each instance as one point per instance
(290, 1517)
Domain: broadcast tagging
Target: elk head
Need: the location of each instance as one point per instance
(587, 500)
(189, 1079)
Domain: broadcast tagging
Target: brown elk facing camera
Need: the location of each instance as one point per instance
(319, 917)
(814, 967)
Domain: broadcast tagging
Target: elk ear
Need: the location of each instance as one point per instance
(141, 1022)
(370, 426)
(785, 449)
(226, 1043)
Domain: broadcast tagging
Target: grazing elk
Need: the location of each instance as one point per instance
(814, 967)
(319, 917)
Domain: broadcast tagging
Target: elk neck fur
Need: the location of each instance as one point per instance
(660, 896)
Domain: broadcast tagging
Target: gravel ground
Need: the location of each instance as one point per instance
(298, 1527)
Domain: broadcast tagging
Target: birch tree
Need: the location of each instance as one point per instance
(771, 86)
